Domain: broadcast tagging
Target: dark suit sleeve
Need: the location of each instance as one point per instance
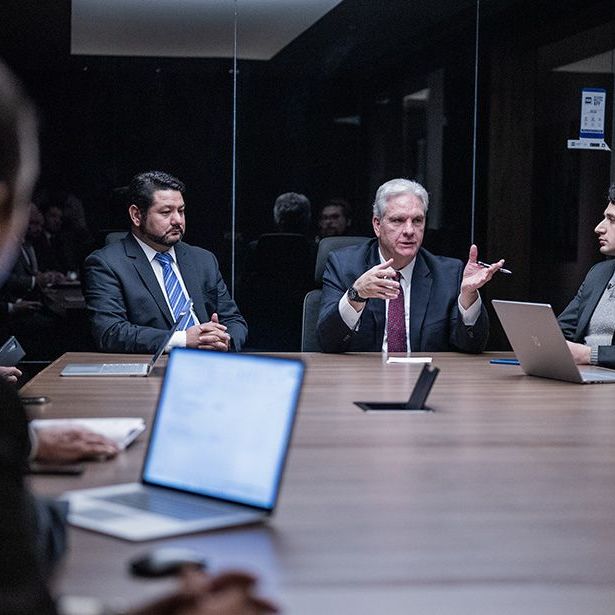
(111, 329)
(606, 356)
(569, 318)
(334, 334)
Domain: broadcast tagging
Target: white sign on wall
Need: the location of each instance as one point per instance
(591, 134)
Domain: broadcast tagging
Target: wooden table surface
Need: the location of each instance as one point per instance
(501, 501)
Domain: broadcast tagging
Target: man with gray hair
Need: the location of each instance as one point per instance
(391, 294)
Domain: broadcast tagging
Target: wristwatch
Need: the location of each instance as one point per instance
(353, 295)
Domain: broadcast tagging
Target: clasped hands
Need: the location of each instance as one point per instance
(211, 335)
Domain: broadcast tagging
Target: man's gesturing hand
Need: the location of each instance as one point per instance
(377, 283)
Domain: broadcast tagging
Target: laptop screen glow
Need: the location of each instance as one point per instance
(223, 425)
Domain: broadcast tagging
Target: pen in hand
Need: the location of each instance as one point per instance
(502, 270)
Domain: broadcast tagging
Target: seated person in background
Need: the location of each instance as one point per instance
(136, 288)
(22, 291)
(435, 305)
(42, 332)
(292, 213)
(334, 219)
(588, 322)
(27, 277)
(278, 272)
(49, 244)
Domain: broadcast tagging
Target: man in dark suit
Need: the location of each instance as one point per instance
(135, 288)
(390, 294)
(588, 322)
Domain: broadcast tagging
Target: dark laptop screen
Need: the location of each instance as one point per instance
(223, 425)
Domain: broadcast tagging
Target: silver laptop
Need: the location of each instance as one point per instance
(540, 346)
(127, 369)
(216, 453)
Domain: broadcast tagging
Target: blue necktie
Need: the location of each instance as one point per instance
(175, 294)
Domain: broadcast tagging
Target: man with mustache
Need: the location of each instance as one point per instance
(136, 288)
(588, 322)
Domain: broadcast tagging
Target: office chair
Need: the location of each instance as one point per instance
(311, 302)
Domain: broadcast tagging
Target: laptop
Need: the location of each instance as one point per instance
(216, 453)
(11, 352)
(127, 369)
(540, 346)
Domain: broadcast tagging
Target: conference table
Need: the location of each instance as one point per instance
(501, 500)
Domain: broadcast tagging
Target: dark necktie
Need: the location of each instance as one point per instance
(175, 294)
(396, 323)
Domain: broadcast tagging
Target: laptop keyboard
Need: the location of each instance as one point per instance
(122, 368)
(169, 505)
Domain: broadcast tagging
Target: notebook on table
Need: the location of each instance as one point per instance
(216, 453)
(127, 369)
(539, 344)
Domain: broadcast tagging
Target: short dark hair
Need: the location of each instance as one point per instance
(292, 213)
(612, 194)
(141, 188)
(337, 201)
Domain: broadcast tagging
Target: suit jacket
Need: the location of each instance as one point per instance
(435, 321)
(127, 308)
(574, 320)
(19, 283)
(32, 532)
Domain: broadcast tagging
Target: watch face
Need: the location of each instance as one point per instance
(353, 295)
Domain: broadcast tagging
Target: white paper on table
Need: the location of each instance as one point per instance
(123, 431)
(409, 360)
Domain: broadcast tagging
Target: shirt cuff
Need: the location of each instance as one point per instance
(349, 315)
(178, 339)
(470, 316)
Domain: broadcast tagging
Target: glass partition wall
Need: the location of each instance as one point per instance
(366, 95)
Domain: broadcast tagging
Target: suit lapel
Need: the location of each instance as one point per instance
(594, 297)
(191, 281)
(146, 274)
(420, 290)
(376, 306)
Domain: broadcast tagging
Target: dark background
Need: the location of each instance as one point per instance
(103, 119)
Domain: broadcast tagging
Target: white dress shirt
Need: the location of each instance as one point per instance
(352, 318)
(179, 337)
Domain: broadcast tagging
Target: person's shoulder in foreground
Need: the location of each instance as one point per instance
(136, 288)
(444, 311)
(588, 322)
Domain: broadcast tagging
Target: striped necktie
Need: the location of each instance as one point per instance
(175, 294)
(396, 322)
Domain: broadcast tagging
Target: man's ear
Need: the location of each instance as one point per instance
(135, 215)
(376, 225)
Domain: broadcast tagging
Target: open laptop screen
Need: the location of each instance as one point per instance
(223, 425)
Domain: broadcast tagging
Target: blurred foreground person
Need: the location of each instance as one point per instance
(31, 531)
